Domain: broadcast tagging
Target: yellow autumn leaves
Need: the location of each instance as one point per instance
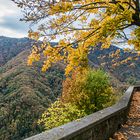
(88, 23)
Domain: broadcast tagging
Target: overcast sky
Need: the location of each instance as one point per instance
(9, 20)
(10, 25)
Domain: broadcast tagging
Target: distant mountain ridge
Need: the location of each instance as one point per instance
(122, 71)
(10, 47)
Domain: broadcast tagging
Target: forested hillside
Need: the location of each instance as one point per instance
(123, 65)
(10, 47)
(25, 91)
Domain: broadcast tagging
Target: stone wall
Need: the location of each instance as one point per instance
(97, 126)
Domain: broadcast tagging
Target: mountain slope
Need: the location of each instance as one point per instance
(25, 93)
(10, 47)
(123, 72)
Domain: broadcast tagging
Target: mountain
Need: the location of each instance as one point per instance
(10, 47)
(25, 92)
(122, 71)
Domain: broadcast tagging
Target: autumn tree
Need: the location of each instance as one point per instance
(90, 91)
(82, 95)
(80, 24)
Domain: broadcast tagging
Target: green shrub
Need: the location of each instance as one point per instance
(90, 91)
(82, 94)
(59, 114)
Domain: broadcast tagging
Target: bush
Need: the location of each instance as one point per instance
(82, 94)
(89, 91)
(59, 114)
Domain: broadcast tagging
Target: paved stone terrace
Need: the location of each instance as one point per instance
(131, 130)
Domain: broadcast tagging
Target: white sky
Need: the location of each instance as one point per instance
(10, 25)
(9, 20)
